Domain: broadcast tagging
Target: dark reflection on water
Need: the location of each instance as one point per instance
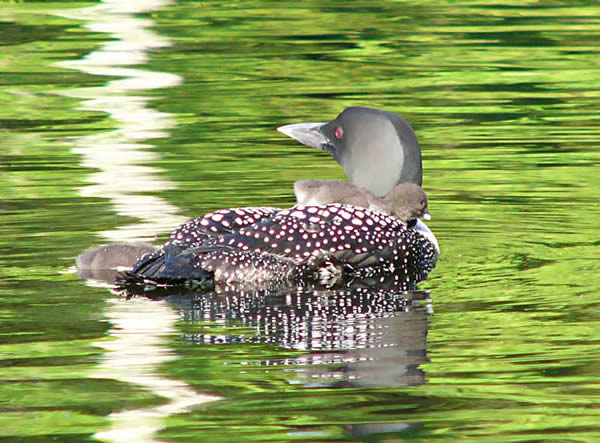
(351, 338)
(361, 337)
(315, 320)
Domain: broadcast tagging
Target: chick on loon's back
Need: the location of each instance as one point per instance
(404, 201)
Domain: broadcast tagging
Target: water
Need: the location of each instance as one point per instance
(120, 120)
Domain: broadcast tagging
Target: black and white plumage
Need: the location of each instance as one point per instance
(325, 244)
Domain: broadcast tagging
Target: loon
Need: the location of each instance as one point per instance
(112, 256)
(327, 242)
(405, 201)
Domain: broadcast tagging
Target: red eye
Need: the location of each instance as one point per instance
(339, 132)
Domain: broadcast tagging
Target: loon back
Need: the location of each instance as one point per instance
(326, 244)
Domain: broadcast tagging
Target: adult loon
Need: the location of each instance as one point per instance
(323, 243)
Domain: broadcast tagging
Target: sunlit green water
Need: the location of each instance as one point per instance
(504, 99)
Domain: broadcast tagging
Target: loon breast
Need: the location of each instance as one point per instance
(323, 244)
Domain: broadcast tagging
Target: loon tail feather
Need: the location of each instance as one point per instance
(150, 265)
(157, 270)
(133, 282)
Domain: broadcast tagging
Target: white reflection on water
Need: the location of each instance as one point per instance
(136, 349)
(138, 344)
(118, 154)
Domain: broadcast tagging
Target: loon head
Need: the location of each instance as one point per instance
(377, 149)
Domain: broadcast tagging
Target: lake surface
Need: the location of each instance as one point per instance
(120, 120)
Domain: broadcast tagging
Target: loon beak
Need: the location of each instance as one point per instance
(308, 134)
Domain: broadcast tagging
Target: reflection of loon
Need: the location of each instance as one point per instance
(317, 320)
(347, 338)
(356, 337)
(324, 243)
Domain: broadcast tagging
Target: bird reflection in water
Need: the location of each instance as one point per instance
(358, 336)
(366, 334)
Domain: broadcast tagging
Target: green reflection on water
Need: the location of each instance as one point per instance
(504, 99)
